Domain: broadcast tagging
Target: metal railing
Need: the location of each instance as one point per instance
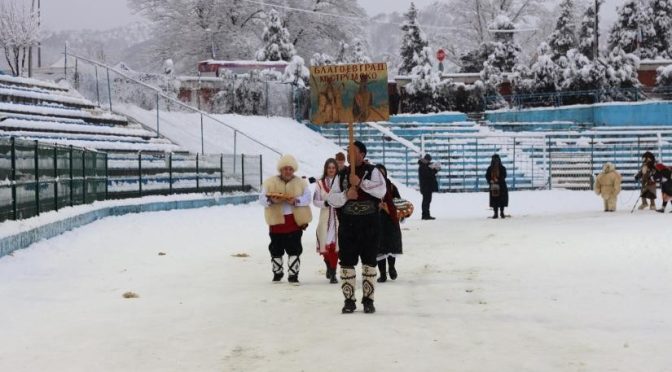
(162, 100)
(563, 98)
(566, 161)
(37, 177)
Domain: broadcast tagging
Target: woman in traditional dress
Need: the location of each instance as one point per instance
(327, 226)
(390, 237)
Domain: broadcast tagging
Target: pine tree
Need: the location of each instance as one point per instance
(506, 50)
(359, 53)
(563, 38)
(342, 56)
(545, 72)
(278, 46)
(423, 88)
(580, 73)
(621, 71)
(662, 24)
(473, 61)
(586, 42)
(633, 31)
(413, 43)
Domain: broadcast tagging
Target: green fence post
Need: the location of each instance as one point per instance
(198, 187)
(242, 169)
(15, 213)
(514, 164)
(450, 174)
(261, 170)
(406, 161)
(170, 173)
(84, 183)
(235, 149)
(478, 179)
(56, 178)
(550, 166)
(140, 173)
(221, 173)
(72, 181)
(107, 176)
(158, 127)
(37, 178)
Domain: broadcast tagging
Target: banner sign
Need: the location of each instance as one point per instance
(349, 93)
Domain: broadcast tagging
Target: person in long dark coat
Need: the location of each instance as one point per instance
(428, 184)
(390, 238)
(646, 175)
(499, 191)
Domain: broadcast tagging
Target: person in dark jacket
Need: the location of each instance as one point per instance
(428, 184)
(499, 191)
(645, 176)
(664, 177)
(390, 237)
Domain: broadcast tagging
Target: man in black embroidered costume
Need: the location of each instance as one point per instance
(356, 198)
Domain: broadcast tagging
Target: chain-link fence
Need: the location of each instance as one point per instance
(37, 177)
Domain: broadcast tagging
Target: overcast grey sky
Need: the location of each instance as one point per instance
(103, 14)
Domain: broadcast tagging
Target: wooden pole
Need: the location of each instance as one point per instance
(351, 147)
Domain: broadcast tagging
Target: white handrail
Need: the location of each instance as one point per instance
(178, 102)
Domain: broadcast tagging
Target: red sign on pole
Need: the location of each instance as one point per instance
(441, 55)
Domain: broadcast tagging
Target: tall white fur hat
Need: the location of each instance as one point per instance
(288, 161)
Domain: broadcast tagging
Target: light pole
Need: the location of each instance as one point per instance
(596, 44)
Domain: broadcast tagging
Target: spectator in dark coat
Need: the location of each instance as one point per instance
(428, 184)
(499, 191)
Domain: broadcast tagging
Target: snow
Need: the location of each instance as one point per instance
(30, 82)
(60, 111)
(63, 127)
(32, 94)
(543, 291)
(283, 134)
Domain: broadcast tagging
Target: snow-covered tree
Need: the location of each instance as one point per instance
(633, 31)
(563, 38)
(506, 50)
(321, 59)
(664, 79)
(296, 73)
(545, 72)
(580, 73)
(473, 60)
(662, 23)
(621, 69)
(422, 90)
(491, 77)
(359, 52)
(277, 44)
(169, 67)
(342, 56)
(586, 41)
(19, 31)
(413, 43)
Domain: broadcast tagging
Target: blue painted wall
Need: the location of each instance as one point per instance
(650, 113)
(431, 118)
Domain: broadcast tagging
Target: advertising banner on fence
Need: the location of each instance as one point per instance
(349, 93)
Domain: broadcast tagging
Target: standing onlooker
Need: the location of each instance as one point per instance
(499, 191)
(664, 176)
(340, 161)
(390, 238)
(646, 176)
(428, 184)
(327, 227)
(286, 201)
(608, 185)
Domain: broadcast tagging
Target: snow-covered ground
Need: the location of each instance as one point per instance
(559, 287)
(282, 134)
